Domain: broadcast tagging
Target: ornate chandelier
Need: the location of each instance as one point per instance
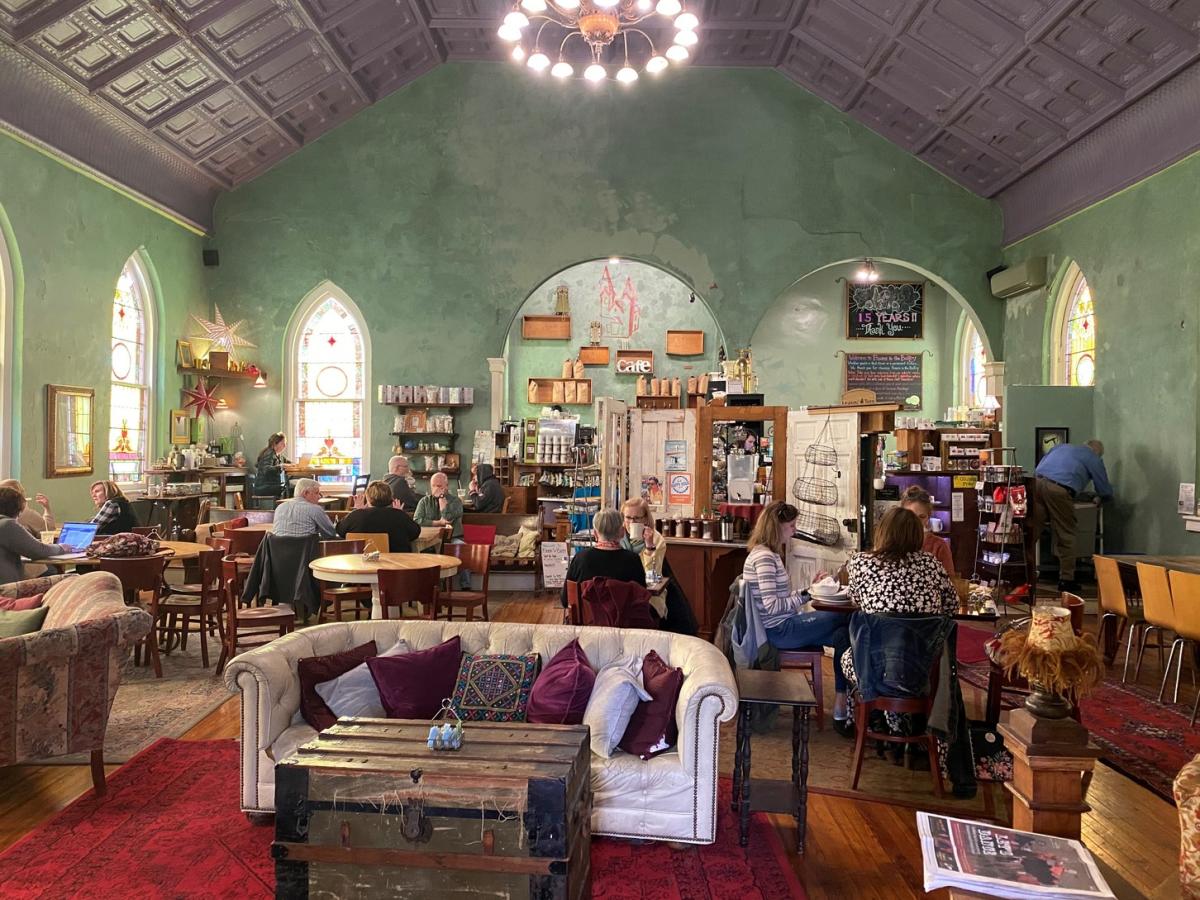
(599, 24)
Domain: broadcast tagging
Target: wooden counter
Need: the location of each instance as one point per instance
(704, 570)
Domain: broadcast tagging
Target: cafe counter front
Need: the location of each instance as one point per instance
(704, 571)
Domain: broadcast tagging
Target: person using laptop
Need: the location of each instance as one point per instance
(16, 542)
(114, 513)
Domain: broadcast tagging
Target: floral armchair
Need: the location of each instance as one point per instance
(66, 674)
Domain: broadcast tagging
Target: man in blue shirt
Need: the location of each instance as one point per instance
(1062, 475)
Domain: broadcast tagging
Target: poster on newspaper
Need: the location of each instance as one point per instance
(1002, 862)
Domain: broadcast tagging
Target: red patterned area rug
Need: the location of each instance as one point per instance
(1142, 739)
(171, 827)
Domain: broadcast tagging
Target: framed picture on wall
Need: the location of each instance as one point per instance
(181, 427)
(1046, 439)
(183, 352)
(68, 430)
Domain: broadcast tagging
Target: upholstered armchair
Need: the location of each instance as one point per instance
(66, 675)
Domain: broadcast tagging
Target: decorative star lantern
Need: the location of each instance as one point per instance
(222, 335)
(201, 398)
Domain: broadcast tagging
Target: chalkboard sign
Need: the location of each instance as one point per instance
(894, 377)
(885, 309)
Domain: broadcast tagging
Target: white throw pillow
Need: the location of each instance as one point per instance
(615, 696)
(354, 693)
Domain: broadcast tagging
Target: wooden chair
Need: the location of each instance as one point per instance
(371, 540)
(474, 558)
(1159, 610)
(222, 543)
(1186, 624)
(810, 660)
(203, 600)
(504, 506)
(334, 595)
(141, 575)
(909, 705)
(398, 587)
(247, 627)
(244, 540)
(574, 611)
(1116, 609)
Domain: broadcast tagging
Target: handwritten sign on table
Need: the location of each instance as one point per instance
(885, 309)
(894, 377)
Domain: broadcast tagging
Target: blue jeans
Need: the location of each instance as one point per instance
(815, 629)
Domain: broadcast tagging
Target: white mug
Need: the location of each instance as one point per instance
(936, 525)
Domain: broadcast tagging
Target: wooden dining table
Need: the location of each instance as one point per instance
(431, 535)
(181, 551)
(351, 568)
(847, 608)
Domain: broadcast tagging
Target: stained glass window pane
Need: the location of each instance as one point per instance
(128, 408)
(973, 359)
(330, 388)
(1079, 335)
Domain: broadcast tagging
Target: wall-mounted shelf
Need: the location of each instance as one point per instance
(546, 328)
(594, 356)
(431, 405)
(218, 373)
(443, 434)
(543, 391)
(685, 343)
(646, 401)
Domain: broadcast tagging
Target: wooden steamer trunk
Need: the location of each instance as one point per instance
(367, 810)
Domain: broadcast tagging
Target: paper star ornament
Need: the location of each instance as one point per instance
(222, 335)
(201, 398)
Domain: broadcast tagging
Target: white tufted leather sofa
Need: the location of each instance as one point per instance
(671, 797)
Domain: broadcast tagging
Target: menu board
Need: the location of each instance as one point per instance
(894, 377)
(885, 309)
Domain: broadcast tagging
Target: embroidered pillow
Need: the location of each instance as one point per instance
(413, 685)
(494, 688)
(313, 670)
(560, 694)
(652, 729)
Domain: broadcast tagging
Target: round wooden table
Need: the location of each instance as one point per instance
(351, 568)
(183, 550)
(431, 535)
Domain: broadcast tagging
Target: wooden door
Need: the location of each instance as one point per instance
(804, 430)
(649, 431)
(776, 419)
(612, 419)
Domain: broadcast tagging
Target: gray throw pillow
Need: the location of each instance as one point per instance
(355, 693)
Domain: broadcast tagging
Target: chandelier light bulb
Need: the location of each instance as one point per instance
(644, 6)
(562, 69)
(606, 4)
(595, 72)
(627, 75)
(518, 19)
(508, 32)
(518, 53)
(677, 53)
(656, 64)
(534, 6)
(566, 4)
(685, 22)
(538, 61)
(669, 8)
(686, 38)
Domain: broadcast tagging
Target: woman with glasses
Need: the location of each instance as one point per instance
(642, 538)
(788, 625)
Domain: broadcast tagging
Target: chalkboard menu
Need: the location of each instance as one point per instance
(885, 309)
(894, 377)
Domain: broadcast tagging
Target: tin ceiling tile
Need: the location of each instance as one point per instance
(837, 28)
(820, 73)
(738, 47)
(979, 169)
(966, 33)
(893, 119)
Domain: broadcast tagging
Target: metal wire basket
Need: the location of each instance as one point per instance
(820, 491)
(818, 528)
(820, 455)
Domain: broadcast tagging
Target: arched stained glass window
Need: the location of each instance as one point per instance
(329, 386)
(129, 406)
(971, 386)
(1073, 360)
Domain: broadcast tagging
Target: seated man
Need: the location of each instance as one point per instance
(396, 479)
(382, 514)
(440, 507)
(486, 492)
(302, 515)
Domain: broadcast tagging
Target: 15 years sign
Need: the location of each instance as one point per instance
(885, 309)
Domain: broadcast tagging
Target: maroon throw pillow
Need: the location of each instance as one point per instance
(413, 686)
(652, 730)
(314, 670)
(560, 694)
(20, 604)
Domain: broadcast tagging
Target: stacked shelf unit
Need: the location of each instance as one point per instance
(442, 440)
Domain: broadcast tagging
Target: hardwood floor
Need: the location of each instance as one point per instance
(858, 847)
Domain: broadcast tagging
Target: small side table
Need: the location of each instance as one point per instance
(785, 688)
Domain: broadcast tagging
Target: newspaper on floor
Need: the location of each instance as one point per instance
(1006, 863)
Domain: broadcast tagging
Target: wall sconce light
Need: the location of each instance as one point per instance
(221, 404)
(260, 381)
(866, 272)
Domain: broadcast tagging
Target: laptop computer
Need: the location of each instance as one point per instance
(78, 536)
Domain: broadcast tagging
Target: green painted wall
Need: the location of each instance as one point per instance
(71, 237)
(1140, 251)
(441, 208)
(663, 302)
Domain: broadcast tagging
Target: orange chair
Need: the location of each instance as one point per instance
(475, 558)
(1159, 610)
(1186, 587)
(1116, 609)
(334, 595)
(248, 627)
(141, 575)
(204, 600)
(371, 540)
(398, 587)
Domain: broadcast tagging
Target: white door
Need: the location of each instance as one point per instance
(651, 432)
(842, 435)
(612, 417)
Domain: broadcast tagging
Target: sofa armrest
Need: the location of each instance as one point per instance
(266, 676)
(707, 698)
(58, 646)
(17, 589)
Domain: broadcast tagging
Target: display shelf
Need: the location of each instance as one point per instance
(218, 373)
(648, 401)
(685, 343)
(546, 328)
(431, 405)
(543, 391)
(448, 472)
(594, 356)
(445, 434)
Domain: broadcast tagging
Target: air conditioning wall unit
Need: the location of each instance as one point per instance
(1020, 279)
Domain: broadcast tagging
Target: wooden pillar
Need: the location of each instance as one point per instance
(1052, 767)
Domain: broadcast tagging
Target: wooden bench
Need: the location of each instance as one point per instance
(511, 523)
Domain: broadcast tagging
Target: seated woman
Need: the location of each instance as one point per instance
(379, 515)
(606, 558)
(917, 501)
(897, 576)
(642, 539)
(36, 522)
(788, 626)
(15, 541)
(114, 514)
(269, 480)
